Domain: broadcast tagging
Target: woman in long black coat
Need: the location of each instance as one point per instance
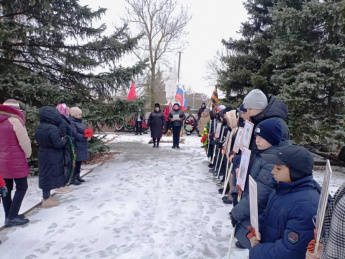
(50, 155)
(156, 122)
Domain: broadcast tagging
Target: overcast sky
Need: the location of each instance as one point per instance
(211, 22)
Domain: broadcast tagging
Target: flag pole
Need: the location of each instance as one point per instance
(179, 65)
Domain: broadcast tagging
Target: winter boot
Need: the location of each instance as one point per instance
(75, 181)
(15, 222)
(50, 202)
(79, 178)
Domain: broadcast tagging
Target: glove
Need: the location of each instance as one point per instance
(233, 220)
(3, 191)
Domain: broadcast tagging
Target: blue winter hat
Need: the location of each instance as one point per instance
(176, 104)
(271, 130)
(242, 109)
(299, 160)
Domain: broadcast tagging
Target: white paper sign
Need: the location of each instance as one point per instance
(226, 139)
(238, 140)
(247, 134)
(253, 202)
(243, 169)
(176, 117)
(321, 208)
(217, 133)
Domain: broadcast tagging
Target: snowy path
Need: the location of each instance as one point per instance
(145, 203)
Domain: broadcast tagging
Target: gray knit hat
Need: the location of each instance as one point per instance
(255, 99)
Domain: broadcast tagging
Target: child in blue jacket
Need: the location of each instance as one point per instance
(268, 137)
(286, 225)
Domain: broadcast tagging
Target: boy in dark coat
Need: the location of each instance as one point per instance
(50, 155)
(286, 225)
(156, 122)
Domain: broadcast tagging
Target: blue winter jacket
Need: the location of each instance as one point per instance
(51, 149)
(260, 170)
(286, 225)
(80, 142)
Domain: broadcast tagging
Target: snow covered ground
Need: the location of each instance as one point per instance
(144, 203)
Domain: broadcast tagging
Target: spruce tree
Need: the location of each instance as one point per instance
(245, 62)
(307, 54)
(50, 52)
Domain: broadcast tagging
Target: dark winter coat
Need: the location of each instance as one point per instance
(51, 149)
(201, 110)
(182, 117)
(65, 126)
(274, 109)
(156, 122)
(286, 225)
(140, 115)
(80, 142)
(260, 170)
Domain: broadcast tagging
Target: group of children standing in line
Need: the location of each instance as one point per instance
(287, 194)
(57, 125)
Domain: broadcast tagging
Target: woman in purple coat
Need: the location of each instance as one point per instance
(15, 147)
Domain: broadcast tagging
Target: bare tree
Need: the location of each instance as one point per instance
(162, 23)
(213, 66)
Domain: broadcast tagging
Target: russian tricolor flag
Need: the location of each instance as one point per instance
(179, 96)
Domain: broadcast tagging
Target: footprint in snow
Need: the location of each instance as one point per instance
(93, 219)
(54, 225)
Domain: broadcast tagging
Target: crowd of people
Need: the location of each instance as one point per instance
(287, 194)
(59, 127)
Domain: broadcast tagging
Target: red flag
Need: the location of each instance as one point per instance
(132, 94)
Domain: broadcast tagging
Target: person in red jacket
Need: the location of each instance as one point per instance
(15, 148)
(166, 113)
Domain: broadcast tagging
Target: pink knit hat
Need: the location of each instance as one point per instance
(63, 109)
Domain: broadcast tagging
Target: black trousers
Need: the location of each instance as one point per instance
(138, 126)
(156, 140)
(176, 135)
(77, 168)
(12, 206)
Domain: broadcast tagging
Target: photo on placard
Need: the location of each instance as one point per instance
(238, 140)
(247, 135)
(253, 203)
(219, 126)
(243, 169)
